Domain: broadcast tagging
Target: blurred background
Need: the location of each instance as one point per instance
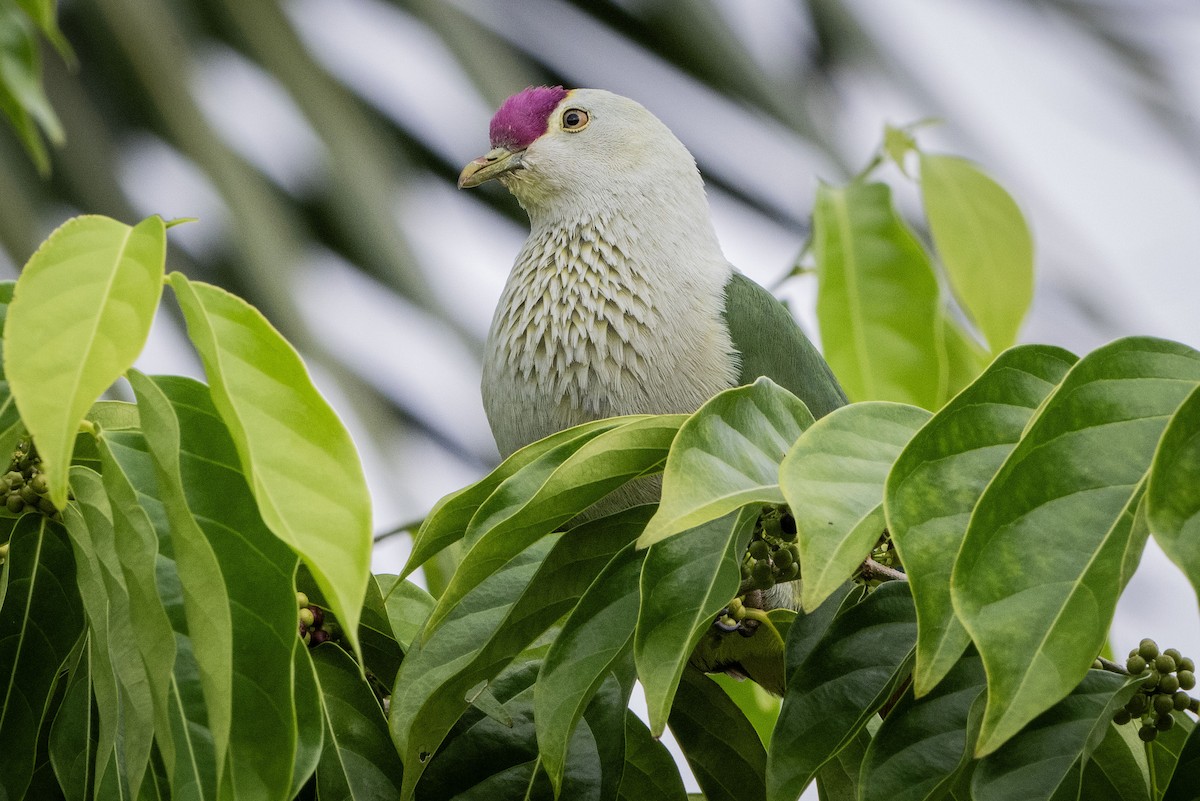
(317, 143)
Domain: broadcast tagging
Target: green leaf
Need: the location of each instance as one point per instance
(721, 745)
(1166, 751)
(530, 504)
(759, 706)
(1113, 772)
(294, 451)
(22, 98)
(833, 479)
(6, 295)
(838, 779)
(73, 733)
(1041, 566)
(310, 723)
(924, 742)
(447, 522)
(119, 681)
(490, 626)
(408, 606)
(844, 679)
(1185, 782)
(43, 12)
(1173, 493)
(983, 242)
(727, 456)
(79, 317)
(40, 622)
(685, 581)
(650, 772)
(877, 297)
(503, 760)
(940, 475)
(257, 570)
(204, 598)
(960, 358)
(1036, 761)
(358, 761)
(594, 638)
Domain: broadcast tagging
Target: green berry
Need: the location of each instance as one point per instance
(761, 573)
(306, 617)
(1181, 700)
(1148, 648)
(1122, 717)
(792, 572)
(736, 609)
(1187, 679)
(1164, 722)
(1168, 683)
(1137, 704)
(1135, 664)
(14, 479)
(301, 599)
(1165, 664)
(1163, 704)
(39, 484)
(28, 495)
(1185, 663)
(1152, 680)
(46, 505)
(759, 549)
(14, 503)
(1173, 653)
(1147, 733)
(783, 558)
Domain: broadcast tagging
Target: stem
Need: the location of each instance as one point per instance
(1154, 791)
(411, 525)
(1113, 667)
(871, 570)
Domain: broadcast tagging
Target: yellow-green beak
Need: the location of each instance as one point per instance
(495, 163)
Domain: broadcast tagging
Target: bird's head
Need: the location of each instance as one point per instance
(554, 147)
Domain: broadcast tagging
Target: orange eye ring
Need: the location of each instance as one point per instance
(574, 120)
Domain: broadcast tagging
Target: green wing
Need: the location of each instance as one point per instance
(770, 343)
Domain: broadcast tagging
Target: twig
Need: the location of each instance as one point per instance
(871, 570)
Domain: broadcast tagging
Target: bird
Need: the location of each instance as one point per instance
(621, 300)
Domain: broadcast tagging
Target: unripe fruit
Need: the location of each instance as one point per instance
(28, 495)
(792, 572)
(1148, 649)
(736, 609)
(783, 558)
(1163, 704)
(39, 484)
(306, 617)
(1173, 653)
(14, 479)
(759, 550)
(1137, 704)
(1185, 663)
(1152, 681)
(1168, 683)
(1164, 664)
(1181, 700)
(301, 599)
(1147, 733)
(1097, 664)
(14, 503)
(1122, 717)
(761, 574)
(1135, 665)
(1164, 723)
(46, 505)
(1187, 679)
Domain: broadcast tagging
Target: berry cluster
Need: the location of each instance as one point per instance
(1163, 691)
(772, 556)
(314, 628)
(24, 486)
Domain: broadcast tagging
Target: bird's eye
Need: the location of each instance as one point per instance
(574, 119)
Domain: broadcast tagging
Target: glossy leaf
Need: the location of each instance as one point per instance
(503, 759)
(833, 480)
(838, 779)
(685, 581)
(650, 772)
(119, 681)
(531, 504)
(844, 679)
(1056, 522)
(358, 761)
(257, 571)
(940, 475)
(877, 297)
(73, 733)
(1167, 751)
(407, 605)
(40, 622)
(593, 639)
(1173, 493)
(924, 742)
(721, 745)
(983, 242)
(1113, 772)
(63, 348)
(1185, 782)
(297, 456)
(726, 456)
(1036, 761)
(490, 626)
(447, 522)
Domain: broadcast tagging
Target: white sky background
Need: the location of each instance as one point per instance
(1113, 201)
